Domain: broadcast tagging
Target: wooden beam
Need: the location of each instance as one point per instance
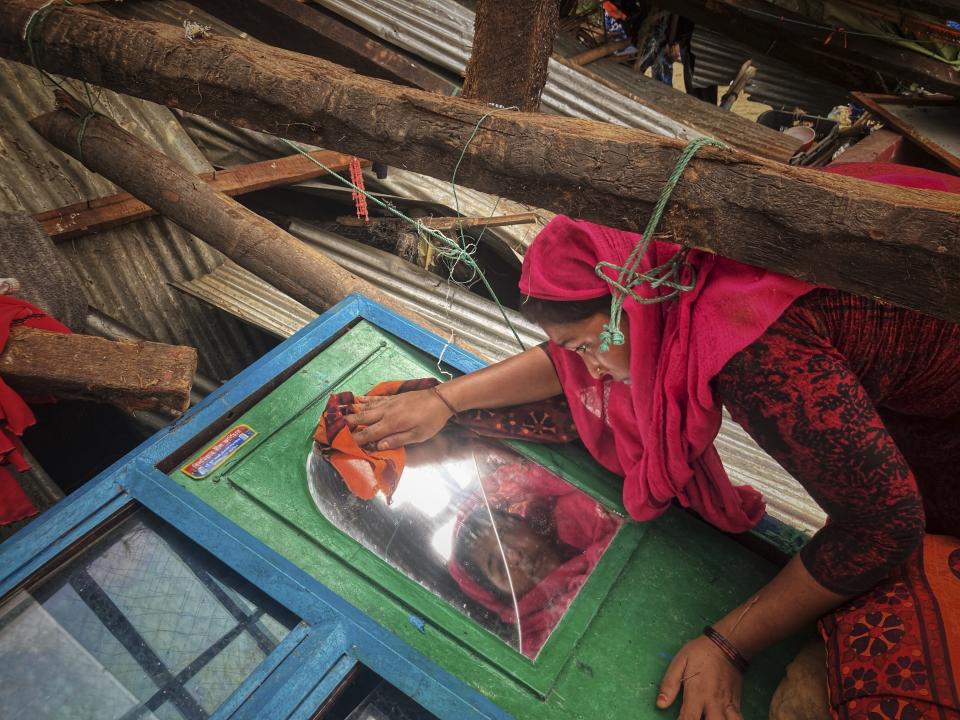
(133, 375)
(852, 235)
(509, 68)
(601, 51)
(846, 59)
(882, 108)
(121, 208)
(305, 28)
(249, 239)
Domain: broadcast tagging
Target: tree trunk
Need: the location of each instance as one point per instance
(898, 244)
(133, 375)
(248, 239)
(512, 44)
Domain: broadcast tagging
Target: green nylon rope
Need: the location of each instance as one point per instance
(666, 275)
(35, 20)
(448, 248)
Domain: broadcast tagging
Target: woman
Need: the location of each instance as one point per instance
(829, 384)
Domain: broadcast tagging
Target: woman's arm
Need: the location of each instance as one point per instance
(417, 416)
(711, 685)
(797, 396)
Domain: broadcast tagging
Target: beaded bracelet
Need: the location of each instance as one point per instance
(731, 653)
(436, 390)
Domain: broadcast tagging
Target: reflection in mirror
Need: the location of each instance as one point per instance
(506, 542)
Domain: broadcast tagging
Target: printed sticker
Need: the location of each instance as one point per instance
(217, 454)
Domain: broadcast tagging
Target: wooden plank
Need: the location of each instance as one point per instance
(601, 51)
(881, 145)
(875, 104)
(853, 235)
(249, 239)
(133, 375)
(121, 208)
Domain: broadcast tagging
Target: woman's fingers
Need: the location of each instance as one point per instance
(671, 683)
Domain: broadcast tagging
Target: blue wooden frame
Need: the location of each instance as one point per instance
(333, 637)
(308, 664)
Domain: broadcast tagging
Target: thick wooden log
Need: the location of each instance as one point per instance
(899, 244)
(121, 208)
(133, 375)
(849, 60)
(512, 43)
(248, 239)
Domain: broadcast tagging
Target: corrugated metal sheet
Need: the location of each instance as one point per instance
(471, 318)
(123, 271)
(442, 32)
(776, 83)
(472, 203)
(244, 295)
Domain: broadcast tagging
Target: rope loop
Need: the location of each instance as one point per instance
(669, 275)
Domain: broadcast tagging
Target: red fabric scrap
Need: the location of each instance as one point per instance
(15, 414)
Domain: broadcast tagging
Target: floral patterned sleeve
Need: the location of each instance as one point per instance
(797, 396)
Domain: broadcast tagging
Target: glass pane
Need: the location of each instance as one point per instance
(143, 623)
(497, 536)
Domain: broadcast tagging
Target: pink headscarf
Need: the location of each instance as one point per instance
(658, 431)
(525, 489)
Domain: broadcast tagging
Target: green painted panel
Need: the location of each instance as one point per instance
(658, 584)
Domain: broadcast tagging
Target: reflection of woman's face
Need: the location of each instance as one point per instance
(530, 557)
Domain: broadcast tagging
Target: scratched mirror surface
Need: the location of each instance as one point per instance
(142, 623)
(500, 538)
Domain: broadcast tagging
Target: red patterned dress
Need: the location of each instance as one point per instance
(860, 402)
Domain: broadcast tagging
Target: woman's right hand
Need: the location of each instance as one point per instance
(397, 420)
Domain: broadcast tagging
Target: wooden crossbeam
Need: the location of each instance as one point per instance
(107, 212)
(134, 375)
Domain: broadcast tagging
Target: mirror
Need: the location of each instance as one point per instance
(505, 541)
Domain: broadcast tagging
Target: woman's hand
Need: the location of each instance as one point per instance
(397, 420)
(711, 685)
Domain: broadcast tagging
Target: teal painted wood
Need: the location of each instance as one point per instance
(268, 668)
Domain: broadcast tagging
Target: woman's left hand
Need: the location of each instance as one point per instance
(711, 685)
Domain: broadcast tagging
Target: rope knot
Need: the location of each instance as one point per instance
(667, 275)
(610, 335)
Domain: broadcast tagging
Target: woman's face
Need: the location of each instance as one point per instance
(583, 338)
(530, 557)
